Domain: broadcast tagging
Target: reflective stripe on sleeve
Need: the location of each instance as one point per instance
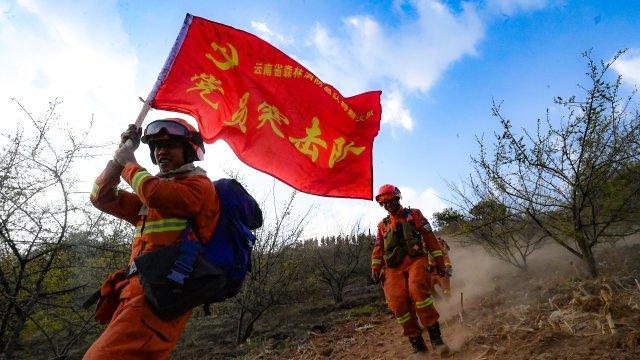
(376, 262)
(424, 303)
(94, 191)
(138, 179)
(436, 253)
(163, 225)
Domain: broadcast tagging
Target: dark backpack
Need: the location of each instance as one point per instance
(230, 245)
(180, 277)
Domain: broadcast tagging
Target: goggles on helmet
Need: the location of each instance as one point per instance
(386, 197)
(168, 127)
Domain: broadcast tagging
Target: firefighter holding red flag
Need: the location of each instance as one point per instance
(159, 207)
(400, 260)
(232, 83)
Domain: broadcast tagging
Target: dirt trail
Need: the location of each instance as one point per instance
(547, 313)
(497, 331)
(379, 337)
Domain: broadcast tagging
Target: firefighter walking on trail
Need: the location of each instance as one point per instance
(399, 259)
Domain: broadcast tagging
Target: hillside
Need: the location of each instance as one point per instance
(547, 313)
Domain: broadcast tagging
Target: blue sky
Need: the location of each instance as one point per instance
(438, 63)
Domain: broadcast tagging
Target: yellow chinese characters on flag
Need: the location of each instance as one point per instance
(276, 115)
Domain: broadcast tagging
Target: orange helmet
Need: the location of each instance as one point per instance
(175, 127)
(387, 192)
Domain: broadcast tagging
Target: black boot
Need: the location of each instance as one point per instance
(436, 340)
(418, 345)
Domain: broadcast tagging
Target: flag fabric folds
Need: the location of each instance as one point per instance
(277, 116)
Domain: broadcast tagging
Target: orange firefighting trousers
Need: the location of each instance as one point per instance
(406, 289)
(135, 332)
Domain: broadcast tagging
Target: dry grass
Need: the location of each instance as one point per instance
(579, 318)
(547, 313)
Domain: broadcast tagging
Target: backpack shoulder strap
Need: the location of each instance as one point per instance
(189, 248)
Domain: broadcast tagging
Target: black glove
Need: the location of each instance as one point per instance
(375, 275)
(441, 271)
(132, 133)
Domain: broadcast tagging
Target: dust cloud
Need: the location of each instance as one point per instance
(476, 273)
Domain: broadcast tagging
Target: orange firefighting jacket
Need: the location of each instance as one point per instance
(160, 206)
(419, 222)
(445, 255)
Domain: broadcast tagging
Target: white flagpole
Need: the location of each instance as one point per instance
(163, 74)
(143, 112)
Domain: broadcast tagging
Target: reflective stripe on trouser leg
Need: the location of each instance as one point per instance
(424, 303)
(419, 286)
(404, 318)
(397, 295)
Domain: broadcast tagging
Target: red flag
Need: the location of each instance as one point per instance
(276, 115)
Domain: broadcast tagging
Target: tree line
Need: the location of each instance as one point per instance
(572, 179)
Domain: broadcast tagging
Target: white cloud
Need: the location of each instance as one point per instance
(333, 216)
(628, 66)
(269, 35)
(414, 54)
(407, 58)
(510, 7)
(4, 10)
(395, 112)
(78, 53)
(428, 200)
